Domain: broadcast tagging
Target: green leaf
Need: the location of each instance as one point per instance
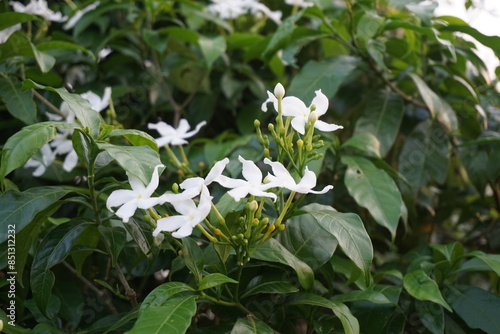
(422, 287)
(18, 45)
(349, 231)
(19, 104)
(20, 208)
(250, 325)
(44, 60)
(425, 155)
(115, 237)
(349, 322)
(368, 26)
(23, 144)
(306, 239)
(12, 18)
(492, 260)
(478, 308)
(456, 24)
(212, 280)
(162, 293)
(139, 161)
(260, 285)
(12, 329)
(366, 142)
(431, 315)
(374, 190)
(84, 113)
(369, 294)
(282, 36)
(193, 256)
(212, 48)
(382, 117)
(53, 250)
(135, 137)
(273, 251)
(173, 317)
(326, 75)
(64, 45)
(438, 107)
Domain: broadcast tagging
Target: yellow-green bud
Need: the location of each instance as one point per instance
(300, 143)
(270, 126)
(253, 205)
(266, 152)
(279, 91)
(313, 117)
(256, 123)
(255, 221)
(265, 220)
(201, 164)
(175, 188)
(281, 227)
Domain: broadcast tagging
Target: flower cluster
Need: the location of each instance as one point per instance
(194, 203)
(231, 9)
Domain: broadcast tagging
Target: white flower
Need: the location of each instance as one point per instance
(78, 15)
(47, 159)
(103, 53)
(283, 179)
(190, 216)
(231, 9)
(300, 3)
(253, 184)
(194, 186)
(172, 136)
(40, 8)
(96, 102)
(5, 34)
(138, 197)
(294, 107)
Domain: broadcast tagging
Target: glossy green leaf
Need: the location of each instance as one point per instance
(64, 45)
(193, 256)
(492, 260)
(382, 117)
(477, 307)
(349, 231)
(173, 317)
(282, 36)
(260, 285)
(44, 60)
(18, 45)
(19, 209)
(53, 250)
(431, 315)
(11, 18)
(84, 113)
(135, 137)
(349, 322)
(212, 48)
(19, 104)
(422, 287)
(438, 107)
(24, 143)
(273, 251)
(369, 294)
(367, 26)
(326, 75)
(374, 190)
(365, 142)
(307, 240)
(251, 325)
(115, 237)
(212, 280)
(456, 24)
(139, 161)
(162, 293)
(425, 155)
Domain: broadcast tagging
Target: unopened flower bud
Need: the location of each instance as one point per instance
(218, 232)
(279, 91)
(265, 220)
(175, 188)
(281, 227)
(255, 221)
(253, 205)
(300, 143)
(201, 164)
(266, 152)
(270, 126)
(313, 117)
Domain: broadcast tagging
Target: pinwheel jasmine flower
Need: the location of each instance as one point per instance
(78, 15)
(290, 105)
(231, 9)
(138, 197)
(172, 136)
(253, 184)
(190, 216)
(195, 185)
(300, 3)
(41, 165)
(40, 8)
(5, 34)
(283, 179)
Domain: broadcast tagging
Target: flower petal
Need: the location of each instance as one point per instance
(250, 171)
(299, 124)
(183, 232)
(155, 179)
(127, 210)
(119, 197)
(323, 126)
(216, 171)
(169, 224)
(270, 98)
(293, 106)
(321, 103)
